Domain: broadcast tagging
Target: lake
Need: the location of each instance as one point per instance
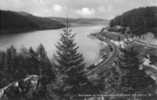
(49, 38)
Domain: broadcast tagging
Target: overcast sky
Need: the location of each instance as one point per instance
(75, 8)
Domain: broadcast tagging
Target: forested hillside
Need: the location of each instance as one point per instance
(13, 22)
(140, 20)
(82, 21)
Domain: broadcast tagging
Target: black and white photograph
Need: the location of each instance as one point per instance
(78, 49)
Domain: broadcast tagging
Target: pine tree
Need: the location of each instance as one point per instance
(11, 64)
(70, 64)
(3, 78)
(134, 80)
(45, 66)
(47, 75)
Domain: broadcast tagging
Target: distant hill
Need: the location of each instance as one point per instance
(14, 22)
(140, 20)
(82, 21)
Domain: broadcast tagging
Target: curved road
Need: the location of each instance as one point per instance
(107, 62)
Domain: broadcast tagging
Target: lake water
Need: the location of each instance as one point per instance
(49, 38)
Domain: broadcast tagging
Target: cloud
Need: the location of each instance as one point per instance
(75, 8)
(57, 8)
(86, 11)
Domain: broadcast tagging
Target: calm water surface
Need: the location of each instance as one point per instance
(49, 38)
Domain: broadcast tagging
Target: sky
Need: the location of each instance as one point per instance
(106, 9)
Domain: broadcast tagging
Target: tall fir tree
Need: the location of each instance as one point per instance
(70, 64)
